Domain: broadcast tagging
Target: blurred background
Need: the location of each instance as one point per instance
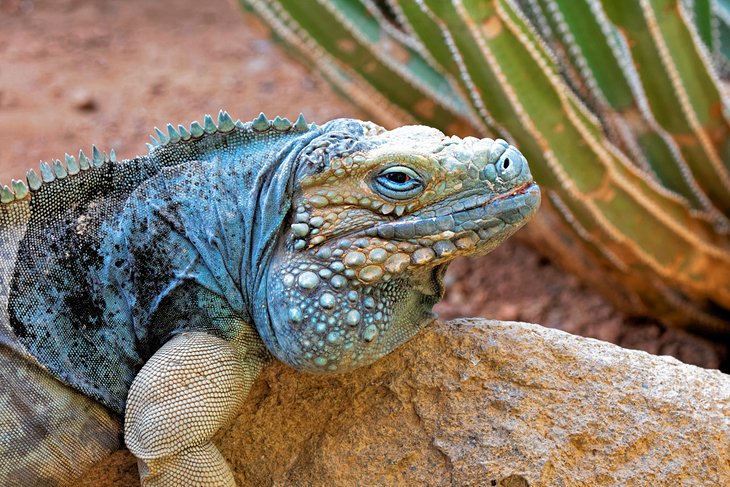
(74, 72)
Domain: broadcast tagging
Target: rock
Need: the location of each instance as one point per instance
(477, 402)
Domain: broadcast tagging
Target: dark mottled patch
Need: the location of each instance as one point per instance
(55, 303)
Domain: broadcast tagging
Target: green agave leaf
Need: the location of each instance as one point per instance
(595, 59)
(672, 66)
(387, 74)
(701, 15)
(614, 103)
(721, 35)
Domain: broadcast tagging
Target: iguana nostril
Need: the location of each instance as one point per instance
(510, 164)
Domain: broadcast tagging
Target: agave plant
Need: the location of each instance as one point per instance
(617, 104)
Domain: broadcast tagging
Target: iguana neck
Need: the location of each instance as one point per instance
(211, 221)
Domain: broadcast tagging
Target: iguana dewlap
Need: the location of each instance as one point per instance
(154, 289)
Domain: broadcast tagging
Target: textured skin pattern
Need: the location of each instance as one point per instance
(179, 400)
(370, 270)
(178, 274)
(47, 430)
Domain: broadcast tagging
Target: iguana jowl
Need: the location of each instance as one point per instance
(154, 289)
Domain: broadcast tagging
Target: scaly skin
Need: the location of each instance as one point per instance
(370, 267)
(322, 246)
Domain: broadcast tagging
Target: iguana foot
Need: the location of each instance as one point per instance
(188, 389)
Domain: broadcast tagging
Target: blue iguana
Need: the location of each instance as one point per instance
(144, 296)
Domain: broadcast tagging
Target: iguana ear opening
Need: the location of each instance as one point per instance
(337, 137)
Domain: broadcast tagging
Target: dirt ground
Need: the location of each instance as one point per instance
(78, 72)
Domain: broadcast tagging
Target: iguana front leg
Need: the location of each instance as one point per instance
(190, 387)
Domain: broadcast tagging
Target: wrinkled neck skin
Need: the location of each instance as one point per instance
(212, 222)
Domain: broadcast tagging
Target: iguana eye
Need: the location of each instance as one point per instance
(397, 177)
(398, 183)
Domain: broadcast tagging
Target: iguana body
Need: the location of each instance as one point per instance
(156, 288)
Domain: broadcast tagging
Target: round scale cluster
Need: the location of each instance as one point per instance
(333, 316)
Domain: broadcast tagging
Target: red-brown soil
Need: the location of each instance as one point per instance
(74, 72)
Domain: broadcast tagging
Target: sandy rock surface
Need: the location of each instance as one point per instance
(477, 402)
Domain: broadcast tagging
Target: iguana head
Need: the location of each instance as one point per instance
(371, 231)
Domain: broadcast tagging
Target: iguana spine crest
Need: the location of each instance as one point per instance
(49, 172)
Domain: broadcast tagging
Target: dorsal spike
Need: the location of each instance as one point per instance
(261, 123)
(172, 133)
(281, 124)
(72, 165)
(184, 134)
(225, 122)
(196, 130)
(150, 147)
(239, 124)
(106, 157)
(84, 162)
(59, 169)
(47, 173)
(301, 124)
(21, 190)
(33, 180)
(161, 135)
(6, 195)
(208, 124)
(96, 159)
(113, 155)
(155, 142)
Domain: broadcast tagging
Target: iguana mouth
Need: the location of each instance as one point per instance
(519, 190)
(481, 213)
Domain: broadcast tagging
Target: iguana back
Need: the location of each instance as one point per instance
(65, 283)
